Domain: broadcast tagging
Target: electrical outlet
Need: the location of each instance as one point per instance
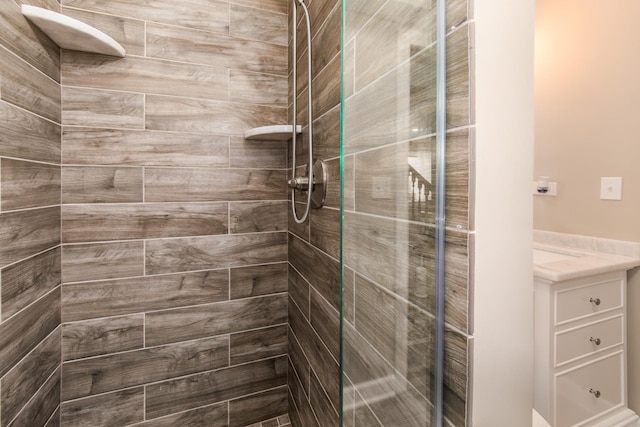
(611, 188)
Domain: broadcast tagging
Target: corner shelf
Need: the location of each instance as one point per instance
(272, 133)
(69, 33)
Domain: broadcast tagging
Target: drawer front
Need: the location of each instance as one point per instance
(588, 300)
(588, 339)
(575, 404)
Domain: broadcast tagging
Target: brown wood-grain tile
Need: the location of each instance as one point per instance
(191, 392)
(326, 134)
(120, 408)
(24, 86)
(118, 147)
(96, 261)
(326, 39)
(208, 116)
(24, 380)
(299, 407)
(258, 407)
(23, 332)
(54, 420)
(85, 184)
(95, 222)
(299, 291)
(257, 154)
(208, 416)
(200, 253)
(26, 281)
(258, 344)
(325, 320)
(28, 185)
(321, 403)
(258, 88)
(140, 294)
(128, 32)
(183, 44)
(101, 374)
(258, 280)
(298, 362)
(102, 108)
(24, 233)
(257, 24)
(42, 405)
(279, 6)
(28, 136)
(253, 217)
(144, 75)
(324, 225)
(162, 327)
(28, 42)
(211, 16)
(102, 336)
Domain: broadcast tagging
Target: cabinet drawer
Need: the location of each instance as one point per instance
(575, 404)
(587, 300)
(588, 339)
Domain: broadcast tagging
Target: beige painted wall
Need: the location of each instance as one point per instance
(587, 113)
(587, 110)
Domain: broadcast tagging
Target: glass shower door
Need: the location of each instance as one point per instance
(392, 156)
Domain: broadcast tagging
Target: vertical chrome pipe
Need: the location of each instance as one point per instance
(295, 108)
(441, 137)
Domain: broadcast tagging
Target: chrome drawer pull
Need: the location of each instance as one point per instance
(595, 301)
(596, 393)
(596, 341)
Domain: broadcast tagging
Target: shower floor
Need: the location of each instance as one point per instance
(281, 421)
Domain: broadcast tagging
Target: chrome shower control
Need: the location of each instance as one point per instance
(596, 341)
(300, 183)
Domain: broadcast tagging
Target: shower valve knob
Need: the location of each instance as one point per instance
(299, 183)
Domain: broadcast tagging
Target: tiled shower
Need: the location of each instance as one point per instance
(151, 273)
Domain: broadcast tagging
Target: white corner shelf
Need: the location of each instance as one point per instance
(69, 33)
(272, 133)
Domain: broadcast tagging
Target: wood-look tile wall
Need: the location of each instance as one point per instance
(30, 255)
(389, 221)
(174, 228)
(314, 267)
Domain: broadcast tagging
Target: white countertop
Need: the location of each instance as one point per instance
(561, 256)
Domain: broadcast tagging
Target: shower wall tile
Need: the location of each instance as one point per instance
(256, 407)
(258, 24)
(122, 370)
(194, 391)
(102, 108)
(128, 32)
(183, 44)
(92, 146)
(167, 326)
(325, 320)
(23, 40)
(91, 222)
(42, 405)
(144, 75)
(299, 291)
(325, 231)
(24, 233)
(257, 344)
(327, 414)
(26, 87)
(257, 154)
(142, 294)
(96, 261)
(28, 280)
(86, 184)
(215, 415)
(24, 380)
(299, 364)
(208, 116)
(212, 15)
(301, 413)
(199, 253)
(120, 408)
(326, 41)
(102, 336)
(20, 128)
(258, 280)
(28, 184)
(169, 214)
(326, 135)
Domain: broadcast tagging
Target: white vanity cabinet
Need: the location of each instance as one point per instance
(580, 351)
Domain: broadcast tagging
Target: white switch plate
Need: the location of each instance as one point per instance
(611, 188)
(553, 189)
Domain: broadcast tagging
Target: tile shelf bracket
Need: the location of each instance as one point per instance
(69, 33)
(272, 133)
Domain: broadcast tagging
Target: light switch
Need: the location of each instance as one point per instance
(611, 188)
